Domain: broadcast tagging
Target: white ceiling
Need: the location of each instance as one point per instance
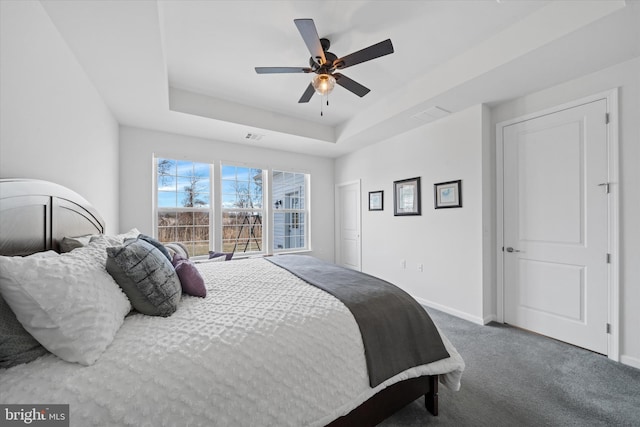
(188, 66)
(213, 47)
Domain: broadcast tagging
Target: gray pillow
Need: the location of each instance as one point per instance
(146, 276)
(17, 346)
(157, 244)
(177, 248)
(67, 244)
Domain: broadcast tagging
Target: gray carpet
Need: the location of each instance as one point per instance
(517, 378)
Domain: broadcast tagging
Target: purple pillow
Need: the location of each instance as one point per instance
(190, 278)
(228, 255)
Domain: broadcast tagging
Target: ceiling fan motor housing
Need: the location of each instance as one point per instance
(328, 66)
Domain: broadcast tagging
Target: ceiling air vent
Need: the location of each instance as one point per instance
(254, 136)
(431, 114)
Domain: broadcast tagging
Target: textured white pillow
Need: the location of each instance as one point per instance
(118, 239)
(69, 303)
(131, 234)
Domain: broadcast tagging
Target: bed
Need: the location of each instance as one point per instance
(264, 347)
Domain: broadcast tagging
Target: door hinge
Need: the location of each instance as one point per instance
(606, 118)
(608, 258)
(608, 328)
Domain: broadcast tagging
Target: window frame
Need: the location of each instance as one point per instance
(306, 211)
(264, 243)
(216, 210)
(157, 209)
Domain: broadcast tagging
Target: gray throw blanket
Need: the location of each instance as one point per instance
(397, 332)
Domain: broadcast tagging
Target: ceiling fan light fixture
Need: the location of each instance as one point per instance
(323, 83)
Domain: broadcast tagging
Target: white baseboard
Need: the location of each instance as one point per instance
(631, 361)
(490, 318)
(451, 311)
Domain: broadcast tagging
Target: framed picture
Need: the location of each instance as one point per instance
(376, 200)
(406, 197)
(448, 194)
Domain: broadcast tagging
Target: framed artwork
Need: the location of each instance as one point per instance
(448, 194)
(406, 197)
(376, 200)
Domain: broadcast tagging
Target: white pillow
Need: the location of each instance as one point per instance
(118, 239)
(131, 234)
(69, 303)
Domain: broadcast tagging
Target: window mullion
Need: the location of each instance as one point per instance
(268, 209)
(218, 203)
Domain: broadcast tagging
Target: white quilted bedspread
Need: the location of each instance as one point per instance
(262, 349)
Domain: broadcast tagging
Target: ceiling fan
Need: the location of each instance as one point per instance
(324, 63)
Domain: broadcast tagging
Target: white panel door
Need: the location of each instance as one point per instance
(349, 225)
(556, 225)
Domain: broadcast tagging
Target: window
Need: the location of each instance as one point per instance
(183, 203)
(242, 209)
(238, 219)
(290, 214)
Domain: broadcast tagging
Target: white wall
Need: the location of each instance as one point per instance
(53, 123)
(489, 232)
(457, 246)
(448, 242)
(137, 147)
(626, 76)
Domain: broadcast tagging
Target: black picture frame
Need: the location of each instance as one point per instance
(376, 200)
(447, 194)
(406, 197)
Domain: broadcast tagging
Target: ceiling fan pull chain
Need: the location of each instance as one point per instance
(327, 95)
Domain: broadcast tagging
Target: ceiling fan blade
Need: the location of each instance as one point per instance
(351, 85)
(308, 93)
(274, 70)
(367, 54)
(310, 36)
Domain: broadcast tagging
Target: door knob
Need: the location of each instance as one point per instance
(510, 249)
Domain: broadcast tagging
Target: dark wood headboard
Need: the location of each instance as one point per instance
(35, 215)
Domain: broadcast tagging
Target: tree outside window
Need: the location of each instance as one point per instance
(183, 203)
(242, 209)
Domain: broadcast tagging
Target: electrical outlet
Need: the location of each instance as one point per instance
(420, 267)
(403, 263)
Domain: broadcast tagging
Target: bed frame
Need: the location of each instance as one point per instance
(35, 215)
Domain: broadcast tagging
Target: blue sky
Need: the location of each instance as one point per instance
(180, 173)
